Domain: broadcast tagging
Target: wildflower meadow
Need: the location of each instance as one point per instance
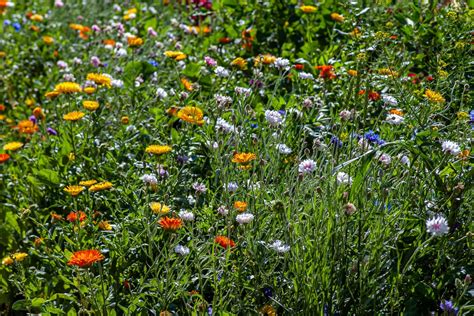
(236, 157)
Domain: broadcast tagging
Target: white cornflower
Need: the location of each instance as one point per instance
(281, 63)
(231, 187)
(199, 187)
(385, 159)
(243, 91)
(451, 148)
(394, 119)
(283, 149)
(343, 178)
(181, 250)
(161, 93)
(279, 246)
(222, 210)
(404, 160)
(388, 99)
(224, 126)
(305, 75)
(186, 216)
(149, 179)
(244, 218)
(222, 100)
(191, 199)
(345, 115)
(307, 166)
(221, 72)
(437, 226)
(117, 83)
(274, 118)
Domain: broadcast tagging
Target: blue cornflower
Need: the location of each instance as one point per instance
(7, 23)
(254, 125)
(152, 62)
(267, 291)
(282, 112)
(471, 118)
(16, 26)
(448, 306)
(336, 141)
(373, 137)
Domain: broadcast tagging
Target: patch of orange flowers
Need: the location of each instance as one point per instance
(85, 258)
(170, 223)
(224, 242)
(76, 216)
(326, 71)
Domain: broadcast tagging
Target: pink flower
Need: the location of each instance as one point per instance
(152, 32)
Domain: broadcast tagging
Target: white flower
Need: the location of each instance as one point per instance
(191, 199)
(121, 52)
(437, 226)
(222, 100)
(149, 179)
(283, 149)
(343, 178)
(394, 119)
(61, 64)
(243, 91)
(385, 159)
(345, 115)
(281, 63)
(161, 93)
(224, 126)
(77, 60)
(186, 216)
(231, 187)
(244, 218)
(221, 72)
(199, 187)
(117, 83)
(274, 118)
(181, 250)
(451, 148)
(405, 160)
(222, 210)
(387, 99)
(279, 246)
(307, 166)
(69, 77)
(305, 75)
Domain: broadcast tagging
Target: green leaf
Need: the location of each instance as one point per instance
(21, 305)
(192, 70)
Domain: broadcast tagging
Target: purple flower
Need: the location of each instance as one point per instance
(51, 131)
(33, 119)
(448, 307)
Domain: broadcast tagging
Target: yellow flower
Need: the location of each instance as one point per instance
(176, 55)
(13, 146)
(90, 105)
(36, 18)
(104, 225)
(266, 59)
(158, 149)
(74, 190)
(101, 79)
(240, 63)
(71, 156)
(73, 116)
(361, 56)
(30, 102)
(442, 73)
(388, 72)
(125, 120)
(434, 96)
(356, 32)
(134, 41)
(18, 256)
(462, 115)
(67, 87)
(243, 158)
(268, 310)
(308, 8)
(337, 17)
(100, 186)
(2, 54)
(191, 114)
(159, 208)
(88, 183)
(52, 94)
(352, 72)
(89, 90)
(48, 40)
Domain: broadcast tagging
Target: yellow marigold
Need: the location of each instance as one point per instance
(240, 63)
(36, 18)
(67, 87)
(266, 59)
(18, 256)
(48, 40)
(125, 120)
(337, 17)
(88, 183)
(101, 79)
(134, 41)
(434, 96)
(27, 127)
(187, 84)
(73, 116)
(388, 72)
(71, 156)
(74, 190)
(308, 9)
(100, 186)
(243, 158)
(352, 72)
(191, 114)
(241, 206)
(30, 102)
(104, 225)
(89, 90)
(176, 55)
(158, 149)
(13, 146)
(90, 105)
(52, 94)
(159, 208)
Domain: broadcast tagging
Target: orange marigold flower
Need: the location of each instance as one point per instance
(352, 73)
(176, 55)
(337, 17)
(89, 90)
(76, 216)
(52, 94)
(240, 63)
(73, 116)
(38, 241)
(56, 217)
(374, 96)
(326, 71)
(36, 18)
(266, 59)
(48, 40)
(26, 127)
(187, 84)
(191, 114)
(170, 223)
(12, 146)
(85, 258)
(243, 158)
(38, 112)
(100, 186)
(104, 225)
(4, 157)
(67, 87)
(434, 96)
(134, 41)
(224, 241)
(18, 256)
(109, 42)
(87, 183)
(308, 9)
(102, 79)
(241, 206)
(225, 40)
(396, 111)
(90, 105)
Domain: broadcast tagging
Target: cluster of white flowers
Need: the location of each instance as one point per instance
(451, 148)
(274, 118)
(244, 218)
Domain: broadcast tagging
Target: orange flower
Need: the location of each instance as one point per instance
(170, 223)
(187, 84)
(241, 206)
(243, 158)
(48, 40)
(76, 216)
(225, 40)
(134, 41)
(396, 111)
(38, 112)
(374, 96)
(27, 127)
(326, 72)
(191, 114)
(4, 157)
(85, 258)
(109, 42)
(337, 17)
(224, 241)
(56, 217)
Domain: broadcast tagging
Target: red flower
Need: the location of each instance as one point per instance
(299, 66)
(225, 40)
(85, 258)
(4, 157)
(374, 96)
(326, 72)
(75, 216)
(224, 242)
